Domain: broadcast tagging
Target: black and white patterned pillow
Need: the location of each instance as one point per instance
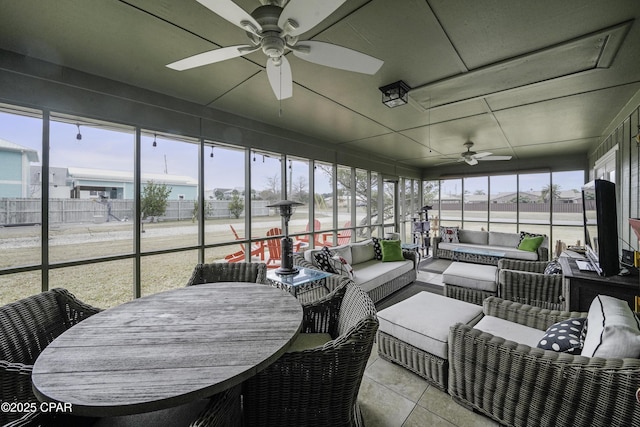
(553, 267)
(564, 336)
(323, 260)
(377, 248)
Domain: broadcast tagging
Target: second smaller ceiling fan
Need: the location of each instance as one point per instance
(472, 158)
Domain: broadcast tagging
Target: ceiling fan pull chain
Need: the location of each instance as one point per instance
(280, 89)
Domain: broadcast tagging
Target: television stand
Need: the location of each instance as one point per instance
(581, 287)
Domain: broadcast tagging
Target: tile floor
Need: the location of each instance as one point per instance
(392, 396)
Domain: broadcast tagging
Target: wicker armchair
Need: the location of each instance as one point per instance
(229, 272)
(27, 327)
(525, 282)
(522, 386)
(318, 386)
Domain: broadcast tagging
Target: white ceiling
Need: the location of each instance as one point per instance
(520, 78)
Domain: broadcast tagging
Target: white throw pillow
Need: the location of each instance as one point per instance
(612, 329)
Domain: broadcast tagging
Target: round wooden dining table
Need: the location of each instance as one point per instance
(167, 349)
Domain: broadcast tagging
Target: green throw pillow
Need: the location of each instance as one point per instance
(391, 250)
(531, 244)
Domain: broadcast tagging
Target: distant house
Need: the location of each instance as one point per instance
(93, 183)
(15, 162)
(85, 183)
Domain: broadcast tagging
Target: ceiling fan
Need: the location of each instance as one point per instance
(472, 158)
(274, 27)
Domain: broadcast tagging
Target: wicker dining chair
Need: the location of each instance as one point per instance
(229, 272)
(318, 386)
(525, 282)
(27, 327)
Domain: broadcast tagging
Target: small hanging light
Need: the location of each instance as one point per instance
(395, 94)
(79, 135)
(155, 144)
(211, 155)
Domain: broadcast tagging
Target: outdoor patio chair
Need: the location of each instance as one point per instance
(226, 272)
(257, 248)
(317, 239)
(526, 282)
(317, 384)
(27, 327)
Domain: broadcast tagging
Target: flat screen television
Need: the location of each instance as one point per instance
(601, 226)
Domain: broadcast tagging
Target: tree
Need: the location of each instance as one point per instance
(299, 190)
(550, 192)
(207, 209)
(236, 205)
(153, 201)
(272, 190)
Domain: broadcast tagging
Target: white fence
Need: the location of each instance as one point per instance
(67, 211)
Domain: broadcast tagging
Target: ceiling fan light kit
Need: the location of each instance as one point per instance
(274, 27)
(395, 94)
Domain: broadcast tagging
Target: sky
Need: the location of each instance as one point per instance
(102, 148)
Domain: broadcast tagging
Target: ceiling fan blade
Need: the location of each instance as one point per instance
(232, 13)
(471, 161)
(496, 158)
(280, 78)
(305, 14)
(334, 56)
(211, 57)
(481, 155)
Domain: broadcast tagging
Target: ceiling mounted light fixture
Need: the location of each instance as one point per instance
(79, 135)
(155, 144)
(395, 94)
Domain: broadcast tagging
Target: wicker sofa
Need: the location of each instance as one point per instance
(519, 385)
(506, 243)
(379, 279)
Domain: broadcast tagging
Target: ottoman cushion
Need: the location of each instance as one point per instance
(423, 320)
(510, 331)
(473, 276)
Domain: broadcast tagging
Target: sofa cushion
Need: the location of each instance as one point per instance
(449, 234)
(344, 251)
(362, 252)
(473, 237)
(564, 336)
(509, 251)
(372, 274)
(613, 329)
(510, 330)
(424, 319)
(473, 276)
(497, 238)
(530, 244)
(391, 250)
(306, 341)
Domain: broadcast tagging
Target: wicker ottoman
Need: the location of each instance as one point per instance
(470, 282)
(414, 333)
